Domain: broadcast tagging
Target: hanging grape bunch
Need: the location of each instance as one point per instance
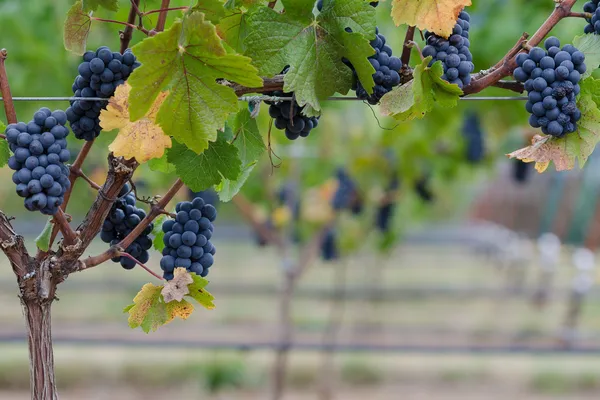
(551, 78)
(187, 239)
(288, 116)
(99, 75)
(593, 25)
(453, 52)
(123, 217)
(40, 151)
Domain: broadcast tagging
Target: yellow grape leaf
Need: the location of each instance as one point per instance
(199, 293)
(143, 139)
(177, 287)
(181, 309)
(147, 310)
(438, 16)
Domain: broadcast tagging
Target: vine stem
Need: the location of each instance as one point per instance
(73, 175)
(63, 225)
(580, 15)
(162, 16)
(128, 31)
(406, 49)
(164, 10)
(128, 25)
(508, 63)
(9, 106)
(132, 258)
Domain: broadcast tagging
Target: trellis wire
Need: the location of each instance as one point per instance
(262, 98)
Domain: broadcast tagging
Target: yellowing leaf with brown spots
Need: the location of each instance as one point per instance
(438, 16)
(181, 309)
(148, 310)
(143, 139)
(177, 287)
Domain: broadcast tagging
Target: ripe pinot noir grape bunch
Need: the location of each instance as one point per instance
(346, 196)
(593, 25)
(288, 116)
(385, 212)
(123, 217)
(453, 52)
(40, 153)
(187, 239)
(99, 75)
(329, 246)
(551, 78)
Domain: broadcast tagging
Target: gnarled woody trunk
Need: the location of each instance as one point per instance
(41, 358)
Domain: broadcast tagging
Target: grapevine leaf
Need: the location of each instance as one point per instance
(313, 47)
(231, 4)
(247, 137)
(577, 145)
(177, 287)
(142, 139)
(229, 188)
(199, 293)
(187, 59)
(233, 28)
(148, 311)
(161, 164)
(43, 240)
(212, 9)
(92, 5)
(4, 150)
(438, 16)
(182, 309)
(76, 29)
(417, 97)
(590, 46)
(201, 171)
(158, 233)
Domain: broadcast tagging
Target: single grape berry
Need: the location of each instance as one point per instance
(123, 218)
(187, 237)
(41, 183)
(99, 75)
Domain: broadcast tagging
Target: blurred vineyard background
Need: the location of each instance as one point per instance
(466, 295)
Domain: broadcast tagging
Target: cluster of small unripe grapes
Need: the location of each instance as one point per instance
(288, 116)
(453, 52)
(123, 218)
(187, 239)
(593, 25)
(99, 75)
(40, 151)
(386, 74)
(551, 79)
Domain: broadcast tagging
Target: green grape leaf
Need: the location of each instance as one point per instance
(76, 29)
(213, 10)
(199, 293)
(417, 97)
(563, 152)
(590, 46)
(43, 240)
(161, 164)
(233, 28)
(201, 171)
(187, 60)
(92, 5)
(158, 233)
(228, 188)
(231, 4)
(4, 150)
(313, 47)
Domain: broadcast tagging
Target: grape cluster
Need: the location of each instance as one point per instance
(99, 75)
(40, 151)
(453, 52)
(187, 239)
(475, 149)
(329, 248)
(288, 116)
(551, 79)
(593, 25)
(385, 212)
(346, 195)
(123, 217)
(386, 74)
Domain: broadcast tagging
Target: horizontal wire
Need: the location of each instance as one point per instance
(264, 98)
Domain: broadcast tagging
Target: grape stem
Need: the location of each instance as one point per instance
(163, 10)
(9, 106)
(162, 16)
(128, 25)
(508, 63)
(60, 219)
(128, 31)
(80, 174)
(3, 136)
(132, 258)
(580, 15)
(406, 48)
